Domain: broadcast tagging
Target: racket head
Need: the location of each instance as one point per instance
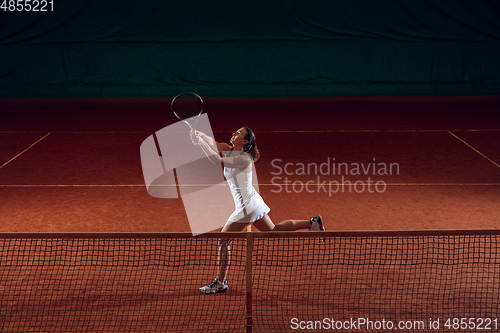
(187, 106)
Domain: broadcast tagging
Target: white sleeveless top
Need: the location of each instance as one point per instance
(249, 205)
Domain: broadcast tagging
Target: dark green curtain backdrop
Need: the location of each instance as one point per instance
(107, 48)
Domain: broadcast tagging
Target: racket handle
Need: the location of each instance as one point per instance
(208, 139)
(187, 123)
(194, 139)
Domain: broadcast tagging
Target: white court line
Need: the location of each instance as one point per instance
(283, 131)
(383, 131)
(75, 132)
(46, 135)
(223, 184)
(477, 151)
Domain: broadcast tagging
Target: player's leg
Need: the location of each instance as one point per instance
(292, 225)
(225, 248)
(223, 260)
(266, 224)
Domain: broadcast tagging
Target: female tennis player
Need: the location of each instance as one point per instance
(238, 158)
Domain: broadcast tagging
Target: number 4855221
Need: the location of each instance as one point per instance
(27, 5)
(472, 323)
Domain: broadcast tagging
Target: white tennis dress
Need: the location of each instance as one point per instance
(249, 205)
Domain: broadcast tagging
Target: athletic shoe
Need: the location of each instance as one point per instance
(215, 287)
(317, 225)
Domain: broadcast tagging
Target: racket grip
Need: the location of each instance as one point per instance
(211, 141)
(194, 138)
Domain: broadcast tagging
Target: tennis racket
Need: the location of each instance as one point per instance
(188, 108)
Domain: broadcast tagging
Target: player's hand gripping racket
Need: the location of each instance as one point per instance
(188, 108)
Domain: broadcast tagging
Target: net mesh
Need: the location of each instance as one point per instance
(68, 284)
(116, 285)
(352, 281)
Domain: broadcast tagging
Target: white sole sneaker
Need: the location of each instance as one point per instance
(215, 287)
(317, 224)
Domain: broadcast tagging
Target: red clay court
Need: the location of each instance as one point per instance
(72, 166)
(381, 116)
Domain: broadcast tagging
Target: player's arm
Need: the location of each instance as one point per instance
(221, 146)
(238, 161)
(208, 150)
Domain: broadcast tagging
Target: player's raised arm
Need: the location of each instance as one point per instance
(240, 161)
(220, 146)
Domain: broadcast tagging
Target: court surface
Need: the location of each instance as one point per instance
(73, 165)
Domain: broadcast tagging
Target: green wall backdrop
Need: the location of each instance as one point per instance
(106, 48)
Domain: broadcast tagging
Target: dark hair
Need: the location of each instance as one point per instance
(251, 147)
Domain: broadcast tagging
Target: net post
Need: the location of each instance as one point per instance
(249, 281)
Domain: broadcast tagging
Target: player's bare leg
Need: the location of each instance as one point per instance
(223, 260)
(266, 224)
(292, 225)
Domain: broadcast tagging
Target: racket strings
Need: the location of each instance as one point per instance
(187, 106)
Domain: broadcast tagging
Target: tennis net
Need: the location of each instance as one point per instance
(279, 282)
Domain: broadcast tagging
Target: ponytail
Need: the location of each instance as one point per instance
(251, 146)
